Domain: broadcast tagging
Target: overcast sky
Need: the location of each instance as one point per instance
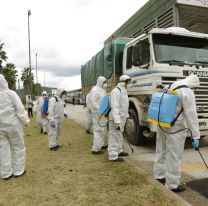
(64, 33)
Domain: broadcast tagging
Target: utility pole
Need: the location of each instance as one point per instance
(36, 67)
(30, 82)
(19, 84)
(44, 80)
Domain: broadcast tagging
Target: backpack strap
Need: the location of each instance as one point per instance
(173, 122)
(56, 98)
(181, 86)
(109, 108)
(119, 88)
(178, 87)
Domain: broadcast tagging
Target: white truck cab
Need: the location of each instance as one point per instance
(163, 56)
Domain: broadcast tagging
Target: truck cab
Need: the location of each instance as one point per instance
(163, 56)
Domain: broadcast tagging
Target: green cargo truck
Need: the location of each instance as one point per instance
(107, 62)
(157, 56)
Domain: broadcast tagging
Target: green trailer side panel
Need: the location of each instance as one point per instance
(108, 60)
(119, 45)
(82, 75)
(102, 64)
(99, 64)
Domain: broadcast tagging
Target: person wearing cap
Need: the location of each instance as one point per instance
(119, 103)
(12, 118)
(29, 106)
(38, 111)
(56, 118)
(170, 141)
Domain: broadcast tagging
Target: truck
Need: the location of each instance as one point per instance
(152, 55)
(76, 95)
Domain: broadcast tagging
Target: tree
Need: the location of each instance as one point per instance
(10, 74)
(3, 56)
(27, 81)
(37, 89)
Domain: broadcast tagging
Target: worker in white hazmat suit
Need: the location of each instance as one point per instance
(169, 147)
(12, 118)
(88, 114)
(96, 95)
(119, 103)
(38, 110)
(55, 117)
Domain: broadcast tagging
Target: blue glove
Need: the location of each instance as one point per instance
(195, 143)
(52, 123)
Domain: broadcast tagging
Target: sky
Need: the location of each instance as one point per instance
(64, 33)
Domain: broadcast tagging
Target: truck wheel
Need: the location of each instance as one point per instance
(132, 130)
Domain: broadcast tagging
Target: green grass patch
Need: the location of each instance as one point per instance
(73, 176)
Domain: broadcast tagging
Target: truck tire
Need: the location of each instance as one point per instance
(133, 131)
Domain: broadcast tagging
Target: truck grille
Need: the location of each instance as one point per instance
(201, 94)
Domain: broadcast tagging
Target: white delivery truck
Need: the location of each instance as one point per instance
(154, 48)
(163, 56)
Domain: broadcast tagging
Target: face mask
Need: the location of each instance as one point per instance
(129, 85)
(105, 86)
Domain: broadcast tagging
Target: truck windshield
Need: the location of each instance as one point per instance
(180, 50)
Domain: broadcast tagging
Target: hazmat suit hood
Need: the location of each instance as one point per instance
(191, 81)
(100, 81)
(59, 92)
(125, 78)
(44, 92)
(3, 83)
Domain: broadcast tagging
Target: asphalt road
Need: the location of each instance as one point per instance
(194, 172)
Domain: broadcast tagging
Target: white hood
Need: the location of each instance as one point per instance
(3, 83)
(59, 92)
(44, 92)
(191, 81)
(100, 81)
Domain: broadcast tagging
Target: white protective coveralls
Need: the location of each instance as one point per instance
(41, 121)
(88, 113)
(169, 147)
(119, 112)
(12, 118)
(56, 114)
(96, 95)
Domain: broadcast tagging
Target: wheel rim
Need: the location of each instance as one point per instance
(130, 129)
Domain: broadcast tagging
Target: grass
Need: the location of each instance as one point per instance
(73, 176)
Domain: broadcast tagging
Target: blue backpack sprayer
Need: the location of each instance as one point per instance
(104, 111)
(162, 110)
(44, 111)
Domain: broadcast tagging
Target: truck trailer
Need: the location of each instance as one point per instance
(189, 14)
(155, 56)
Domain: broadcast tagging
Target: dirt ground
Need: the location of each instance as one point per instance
(73, 176)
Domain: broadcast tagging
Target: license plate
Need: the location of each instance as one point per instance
(198, 73)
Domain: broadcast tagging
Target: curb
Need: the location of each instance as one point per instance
(177, 198)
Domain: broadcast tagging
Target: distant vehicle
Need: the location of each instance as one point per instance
(77, 96)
